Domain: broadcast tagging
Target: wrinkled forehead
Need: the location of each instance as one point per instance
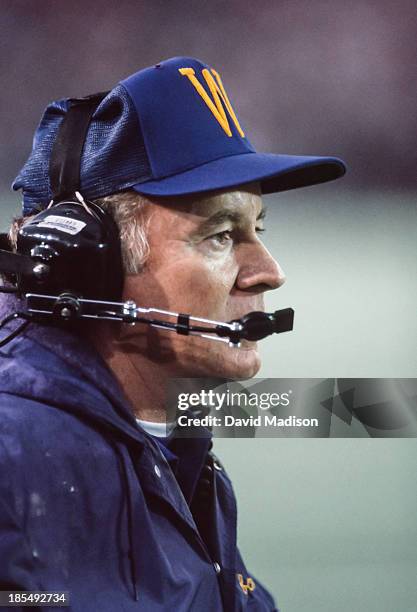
(244, 201)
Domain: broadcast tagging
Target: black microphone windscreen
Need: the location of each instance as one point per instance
(284, 320)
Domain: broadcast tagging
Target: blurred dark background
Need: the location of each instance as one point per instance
(305, 77)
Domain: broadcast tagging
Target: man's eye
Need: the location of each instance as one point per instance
(260, 230)
(222, 238)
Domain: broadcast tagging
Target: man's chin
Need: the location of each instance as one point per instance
(249, 362)
(218, 360)
(239, 363)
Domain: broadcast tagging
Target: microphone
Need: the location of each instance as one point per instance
(258, 325)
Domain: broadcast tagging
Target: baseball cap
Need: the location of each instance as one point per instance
(167, 130)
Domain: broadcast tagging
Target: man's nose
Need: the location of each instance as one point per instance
(259, 271)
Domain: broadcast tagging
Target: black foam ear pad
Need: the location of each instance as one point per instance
(112, 230)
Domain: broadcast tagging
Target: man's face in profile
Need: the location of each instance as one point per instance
(206, 259)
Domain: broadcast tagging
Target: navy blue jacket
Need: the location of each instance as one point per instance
(93, 505)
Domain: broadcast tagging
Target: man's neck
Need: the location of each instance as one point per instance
(143, 374)
(140, 378)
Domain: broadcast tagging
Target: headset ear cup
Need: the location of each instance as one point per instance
(80, 245)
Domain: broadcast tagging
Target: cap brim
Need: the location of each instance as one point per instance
(274, 172)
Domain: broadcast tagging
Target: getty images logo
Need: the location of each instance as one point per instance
(225, 399)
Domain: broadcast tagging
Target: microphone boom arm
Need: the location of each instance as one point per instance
(253, 326)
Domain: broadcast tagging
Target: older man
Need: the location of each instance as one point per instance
(97, 501)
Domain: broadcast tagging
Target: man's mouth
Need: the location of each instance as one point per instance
(248, 344)
(259, 308)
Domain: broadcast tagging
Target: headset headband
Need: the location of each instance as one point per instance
(65, 161)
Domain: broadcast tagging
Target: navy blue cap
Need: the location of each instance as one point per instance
(167, 130)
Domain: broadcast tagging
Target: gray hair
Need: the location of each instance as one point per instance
(128, 210)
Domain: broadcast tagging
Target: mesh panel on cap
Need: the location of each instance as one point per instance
(114, 156)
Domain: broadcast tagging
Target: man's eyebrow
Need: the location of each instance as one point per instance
(218, 218)
(223, 216)
(262, 213)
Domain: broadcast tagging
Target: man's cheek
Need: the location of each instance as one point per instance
(200, 279)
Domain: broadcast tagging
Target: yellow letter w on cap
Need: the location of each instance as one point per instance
(217, 91)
